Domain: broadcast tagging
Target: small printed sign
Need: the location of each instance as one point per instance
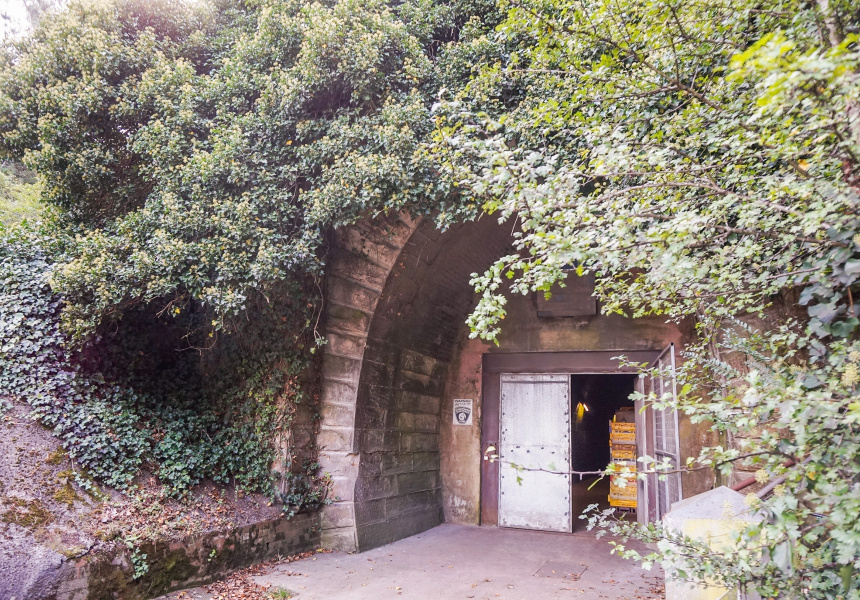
(463, 411)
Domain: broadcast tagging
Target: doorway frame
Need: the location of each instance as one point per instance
(571, 363)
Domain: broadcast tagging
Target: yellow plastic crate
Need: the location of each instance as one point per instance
(618, 465)
(624, 452)
(631, 481)
(623, 437)
(621, 503)
(631, 427)
(628, 491)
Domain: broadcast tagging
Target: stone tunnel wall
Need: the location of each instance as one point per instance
(411, 341)
(398, 291)
(398, 354)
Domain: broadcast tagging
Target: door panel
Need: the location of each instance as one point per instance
(535, 433)
(646, 510)
(666, 439)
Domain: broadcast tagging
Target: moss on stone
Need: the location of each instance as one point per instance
(108, 585)
(27, 513)
(56, 457)
(66, 495)
(176, 566)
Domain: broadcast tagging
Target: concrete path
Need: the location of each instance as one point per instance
(453, 562)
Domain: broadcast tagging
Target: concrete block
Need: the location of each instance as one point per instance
(427, 240)
(338, 415)
(394, 231)
(379, 534)
(346, 319)
(396, 462)
(419, 442)
(338, 392)
(378, 374)
(338, 515)
(408, 483)
(398, 506)
(341, 368)
(410, 222)
(347, 265)
(421, 384)
(378, 440)
(371, 463)
(349, 293)
(370, 511)
(712, 517)
(408, 422)
(379, 230)
(418, 403)
(378, 250)
(341, 540)
(345, 344)
(342, 489)
(336, 439)
(426, 461)
(339, 464)
(418, 363)
(376, 395)
(370, 417)
(374, 487)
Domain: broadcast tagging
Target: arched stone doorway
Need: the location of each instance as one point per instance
(398, 354)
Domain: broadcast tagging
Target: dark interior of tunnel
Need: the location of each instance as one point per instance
(594, 399)
(602, 395)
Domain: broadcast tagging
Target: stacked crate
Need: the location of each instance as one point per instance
(622, 441)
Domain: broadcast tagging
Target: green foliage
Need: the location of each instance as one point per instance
(138, 562)
(124, 403)
(305, 490)
(207, 149)
(19, 195)
(702, 160)
(194, 156)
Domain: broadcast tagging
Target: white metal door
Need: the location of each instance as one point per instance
(535, 434)
(645, 510)
(666, 439)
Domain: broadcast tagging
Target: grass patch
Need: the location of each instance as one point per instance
(19, 194)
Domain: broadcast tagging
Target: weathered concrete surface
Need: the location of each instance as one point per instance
(524, 331)
(398, 294)
(453, 562)
(29, 571)
(713, 517)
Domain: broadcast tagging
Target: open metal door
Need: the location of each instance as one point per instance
(667, 444)
(646, 490)
(535, 433)
(659, 438)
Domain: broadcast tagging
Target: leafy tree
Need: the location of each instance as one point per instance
(205, 148)
(193, 157)
(701, 159)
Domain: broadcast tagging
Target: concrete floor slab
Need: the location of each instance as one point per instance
(470, 563)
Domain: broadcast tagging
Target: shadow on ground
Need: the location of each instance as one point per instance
(462, 562)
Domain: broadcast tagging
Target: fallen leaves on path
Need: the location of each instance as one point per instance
(241, 586)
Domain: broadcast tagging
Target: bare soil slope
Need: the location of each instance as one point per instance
(48, 519)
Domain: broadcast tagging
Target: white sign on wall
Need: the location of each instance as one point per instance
(462, 411)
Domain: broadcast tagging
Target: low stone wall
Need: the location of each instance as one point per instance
(187, 562)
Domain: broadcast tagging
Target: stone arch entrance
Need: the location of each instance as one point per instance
(398, 294)
(398, 353)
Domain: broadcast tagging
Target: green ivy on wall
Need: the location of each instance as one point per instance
(194, 157)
